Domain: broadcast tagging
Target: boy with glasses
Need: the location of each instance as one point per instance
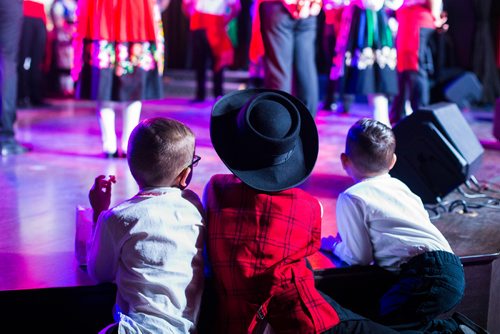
(151, 245)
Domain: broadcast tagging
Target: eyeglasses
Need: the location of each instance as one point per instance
(194, 163)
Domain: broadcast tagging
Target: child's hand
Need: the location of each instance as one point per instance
(329, 243)
(100, 194)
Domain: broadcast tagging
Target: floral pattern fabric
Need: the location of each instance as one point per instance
(123, 57)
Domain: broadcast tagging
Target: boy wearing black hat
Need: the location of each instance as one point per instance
(261, 227)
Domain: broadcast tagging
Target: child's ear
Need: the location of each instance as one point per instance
(344, 159)
(184, 177)
(393, 162)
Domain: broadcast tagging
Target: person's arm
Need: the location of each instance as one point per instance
(103, 252)
(101, 255)
(57, 15)
(163, 4)
(354, 245)
(436, 7)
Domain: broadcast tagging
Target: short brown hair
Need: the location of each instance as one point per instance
(370, 145)
(158, 150)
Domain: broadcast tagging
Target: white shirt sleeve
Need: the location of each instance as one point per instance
(356, 246)
(103, 253)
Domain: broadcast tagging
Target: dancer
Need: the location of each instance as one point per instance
(11, 21)
(63, 17)
(366, 56)
(417, 19)
(208, 22)
(118, 58)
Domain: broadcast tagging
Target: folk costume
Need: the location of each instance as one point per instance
(211, 42)
(334, 98)
(261, 227)
(119, 57)
(416, 25)
(63, 15)
(366, 55)
(32, 55)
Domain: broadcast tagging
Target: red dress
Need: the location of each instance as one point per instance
(120, 46)
(257, 246)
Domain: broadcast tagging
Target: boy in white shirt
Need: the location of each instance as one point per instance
(380, 221)
(151, 244)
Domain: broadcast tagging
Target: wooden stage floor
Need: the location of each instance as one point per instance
(41, 189)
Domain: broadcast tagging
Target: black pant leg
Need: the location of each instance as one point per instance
(200, 56)
(11, 15)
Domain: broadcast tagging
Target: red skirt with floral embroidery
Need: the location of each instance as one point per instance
(121, 50)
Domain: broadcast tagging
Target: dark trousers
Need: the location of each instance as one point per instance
(414, 85)
(11, 16)
(430, 284)
(31, 54)
(202, 55)
(352, 323)
(290, 53)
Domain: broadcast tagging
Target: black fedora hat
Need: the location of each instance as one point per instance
(267, 138)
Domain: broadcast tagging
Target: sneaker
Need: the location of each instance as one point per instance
(466, 325)
(12, 147)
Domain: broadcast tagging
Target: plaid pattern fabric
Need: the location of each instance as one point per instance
(257, 245)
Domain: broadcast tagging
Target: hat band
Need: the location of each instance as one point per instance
(274, 160)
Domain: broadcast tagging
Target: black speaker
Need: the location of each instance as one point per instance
(464, 90)
(436, 151)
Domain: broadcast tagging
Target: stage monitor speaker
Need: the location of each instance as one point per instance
(436, 151)
(464, 90)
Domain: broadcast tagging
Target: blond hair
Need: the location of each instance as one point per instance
(158, 150)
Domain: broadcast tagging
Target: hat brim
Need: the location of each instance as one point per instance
(233, 153)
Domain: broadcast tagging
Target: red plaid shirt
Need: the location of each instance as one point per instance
(257, 245)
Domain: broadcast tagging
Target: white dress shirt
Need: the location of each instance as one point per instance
(381, 221)
(151, 247)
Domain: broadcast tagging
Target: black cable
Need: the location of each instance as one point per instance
(459, 202)
(440, 206)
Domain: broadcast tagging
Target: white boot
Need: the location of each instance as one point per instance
(131, 117)
(107, 123)
(408, 109)
(380, 108)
